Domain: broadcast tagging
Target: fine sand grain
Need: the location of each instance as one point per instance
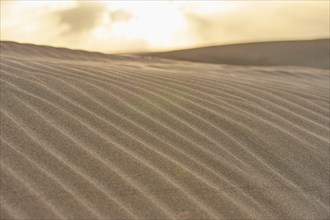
(93, 136)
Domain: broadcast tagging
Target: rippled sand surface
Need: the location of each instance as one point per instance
(93, 136)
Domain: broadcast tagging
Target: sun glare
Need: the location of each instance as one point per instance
(156, 22)
(160, 23)
(122, 26)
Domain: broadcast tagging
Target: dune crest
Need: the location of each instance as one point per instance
(308, 53)
(93, 136)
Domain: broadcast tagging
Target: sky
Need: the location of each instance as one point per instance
(139, 26)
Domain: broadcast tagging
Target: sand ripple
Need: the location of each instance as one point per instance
(95, 136)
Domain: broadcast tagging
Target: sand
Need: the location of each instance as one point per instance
(309, 53)
(94, 136)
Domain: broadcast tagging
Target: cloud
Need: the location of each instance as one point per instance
(84, 17)
(121, 26)
(89, 25)
(120, 15)
(258, 21)
(35, 23)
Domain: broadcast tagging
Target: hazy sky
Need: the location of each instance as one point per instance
(130, 26)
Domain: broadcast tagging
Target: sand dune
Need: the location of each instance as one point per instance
(93, 136)
(309, 53)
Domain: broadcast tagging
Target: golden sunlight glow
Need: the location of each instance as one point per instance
(128, 26)
(156, 22)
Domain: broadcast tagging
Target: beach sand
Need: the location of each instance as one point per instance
(88, 135)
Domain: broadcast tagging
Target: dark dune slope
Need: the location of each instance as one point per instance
(310, 53)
